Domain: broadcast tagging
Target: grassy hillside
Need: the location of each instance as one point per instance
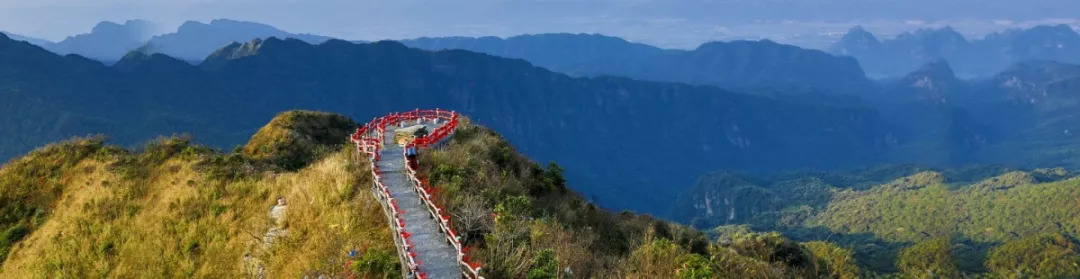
(909, 220)
(171, 209)
(81, 208)
(541, 229)
(997, 209)
(296, 138)
(224, 100)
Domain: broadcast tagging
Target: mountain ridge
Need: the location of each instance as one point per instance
(735, 65)
(245, 82)
(218, 96)
(194, 41)
(979, 57)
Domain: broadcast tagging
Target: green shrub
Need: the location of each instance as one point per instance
(376, 262)
(694, 266)
(1041, 256)
(294, 139)
(929, 259)
(31, 185)
(771, 247)
(544, 265)
(831, 261)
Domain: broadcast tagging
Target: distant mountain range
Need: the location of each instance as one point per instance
(971, 58)
(739, 65)
(39, 42)
(752, 66)
(580, 122)
(107, 41)
(763, 67)
(790, 117)
(192, 41)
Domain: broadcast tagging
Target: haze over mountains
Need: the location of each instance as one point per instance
(970, 57)
(107, 41)
(582, 123)
(794, 108)
(948, 157)
(591, 55)
(738, 64)
(192, 41)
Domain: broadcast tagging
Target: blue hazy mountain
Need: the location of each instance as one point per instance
(107, 41)
(1056, 43)
(740, 65)
(936, 119)
(982, 57)
(194, 41)
(564, 52)
(36, 41)
(580, 122)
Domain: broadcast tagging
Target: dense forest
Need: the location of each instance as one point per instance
(900, 219)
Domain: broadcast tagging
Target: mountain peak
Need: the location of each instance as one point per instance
(195, 41)
(931, 82)
(273, 46)
(856, 41)
(1047, 34)
(138, 60)
(135, 27)
(225, 21)
(107, 41)
(764, 43)
(190, 26)
(246, 26)
(941, 35)
(237, 50)
(222, 25)
(938, 67)
(105, 26)
(1060, 28)
(859, 32)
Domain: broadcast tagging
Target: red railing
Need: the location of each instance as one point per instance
(369, 139)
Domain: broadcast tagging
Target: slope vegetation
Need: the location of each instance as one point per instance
(973, 221)
(522, 221)
(171, 209)
(221, 99)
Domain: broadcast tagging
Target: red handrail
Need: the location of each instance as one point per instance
(368, 139)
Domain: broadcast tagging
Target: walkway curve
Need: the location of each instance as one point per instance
(427, 245)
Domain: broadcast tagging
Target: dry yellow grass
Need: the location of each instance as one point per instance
(188, 224)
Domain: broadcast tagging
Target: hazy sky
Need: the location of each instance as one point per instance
(670, 23)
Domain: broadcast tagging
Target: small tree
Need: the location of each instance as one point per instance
(376, 262)
(831, 261)
(694, 266)
(473, 218)
(656, 258)
(929, 259)
(544, 265)
(513, 208)
(1041, 256)
(553, 177)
